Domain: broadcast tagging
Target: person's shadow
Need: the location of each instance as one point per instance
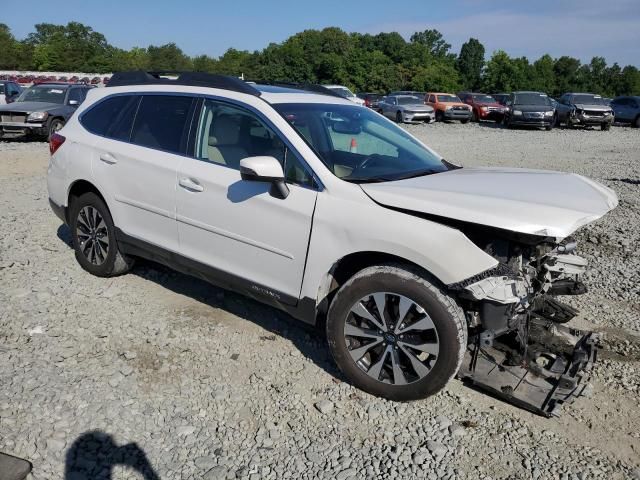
(94, 455)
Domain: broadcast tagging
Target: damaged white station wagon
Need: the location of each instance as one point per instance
(325, 209)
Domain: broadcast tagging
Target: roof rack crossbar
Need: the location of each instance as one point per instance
(308, 87)
(195, 79)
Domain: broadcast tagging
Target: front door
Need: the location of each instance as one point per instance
(234, 229)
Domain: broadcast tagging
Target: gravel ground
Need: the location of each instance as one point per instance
(158, 375)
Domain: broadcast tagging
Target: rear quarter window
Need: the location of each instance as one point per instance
(112, 118)
(162, 122)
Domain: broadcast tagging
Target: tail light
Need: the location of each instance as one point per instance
(55, 142)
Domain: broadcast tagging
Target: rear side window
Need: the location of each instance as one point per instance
(112, 118)
(162, 123)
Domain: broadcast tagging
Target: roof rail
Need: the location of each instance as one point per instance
(307, 87)
(195, 79)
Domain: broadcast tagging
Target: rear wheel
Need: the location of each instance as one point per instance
(94, 237)
(395, 334)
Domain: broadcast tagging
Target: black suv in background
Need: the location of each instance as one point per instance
(371, 100)
(531, 109)
(41, 110)
(584, 109)
(627, 110)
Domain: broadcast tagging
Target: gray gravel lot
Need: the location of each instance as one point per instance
(159, 371)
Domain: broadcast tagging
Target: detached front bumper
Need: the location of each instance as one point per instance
(21, 129)
(586, 119)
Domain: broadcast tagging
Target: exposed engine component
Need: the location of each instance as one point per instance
(519, 350)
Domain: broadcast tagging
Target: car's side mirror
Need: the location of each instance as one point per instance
(265, 169)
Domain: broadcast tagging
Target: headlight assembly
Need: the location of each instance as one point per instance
(549, 113)
(37, 117)
(517, 112)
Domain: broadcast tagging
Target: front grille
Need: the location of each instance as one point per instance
(536, 115)
(493, 109)
(463, 109)
(593, 113)
(13, 117)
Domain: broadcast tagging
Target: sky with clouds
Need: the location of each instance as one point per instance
(579, 28)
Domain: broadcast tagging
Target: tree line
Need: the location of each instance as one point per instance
(364, 62)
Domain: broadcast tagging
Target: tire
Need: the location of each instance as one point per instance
(96, 248)
(439, 116)
(466, 120)
(440, 318)
(398, 117)
(636, 122)
(55, 125)
(549, 127)
(605, 127)
(556, 121)
(474, 116)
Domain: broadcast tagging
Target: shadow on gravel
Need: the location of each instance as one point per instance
(94, 455)
(630, 181)
(307, 339)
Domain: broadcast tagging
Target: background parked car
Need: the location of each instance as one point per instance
(9, 91)
(448, 106)
(627, 110)
(501, 98)
(371, 100)
(405, 108)
(584, 109)
(345, 93)
(41, 110)
(531, 109)
(483, 106)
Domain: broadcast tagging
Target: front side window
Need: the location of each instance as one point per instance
(226, 134)
(43, 93)
(162, 122)
(78, 94)
(112, 118)
(359, 145)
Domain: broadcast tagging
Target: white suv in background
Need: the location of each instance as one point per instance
(322, 208)
(344, 92)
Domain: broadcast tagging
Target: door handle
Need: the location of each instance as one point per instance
(191, 185)
(108, 158)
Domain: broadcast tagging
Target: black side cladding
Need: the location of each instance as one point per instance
(194, 79)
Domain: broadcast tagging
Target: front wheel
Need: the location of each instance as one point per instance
(466, 120)
(605, 126)
(439, 116)
(395, 334)
(398, 117)
(636, 122)
(55, 125)
(94, 237)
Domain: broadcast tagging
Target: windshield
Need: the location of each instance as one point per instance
(589, 99)
(531, 99)
(359, 145)
(448, 99)
(43, 94)
(484, 98)
(342, 91)
(408, 100)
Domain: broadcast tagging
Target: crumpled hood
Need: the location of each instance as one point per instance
(593, 108)
(537, 202)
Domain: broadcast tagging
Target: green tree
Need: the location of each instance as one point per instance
(469, 64)
(167, 58)
(543, 76)
(566, 73)
(434, 41)
(8, 44)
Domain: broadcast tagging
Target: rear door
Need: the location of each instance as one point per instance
(137, 161)
(234, 229)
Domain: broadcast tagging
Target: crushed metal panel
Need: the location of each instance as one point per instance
(542, 390)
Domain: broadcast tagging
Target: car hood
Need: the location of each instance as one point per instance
(454, 104)
(30, 106)
(533, 108)
(536, 202)
(593, 108)
(419, 107)
(489, 104)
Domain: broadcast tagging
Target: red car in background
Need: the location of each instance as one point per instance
(483, 106)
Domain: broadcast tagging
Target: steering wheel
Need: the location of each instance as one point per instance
(365, 161)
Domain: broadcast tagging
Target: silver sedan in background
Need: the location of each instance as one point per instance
(406, 108)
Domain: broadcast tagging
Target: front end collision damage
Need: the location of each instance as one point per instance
(518, 349)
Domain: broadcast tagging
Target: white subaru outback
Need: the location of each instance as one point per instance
(325, 209)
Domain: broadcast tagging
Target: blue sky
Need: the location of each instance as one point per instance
(580, 28)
